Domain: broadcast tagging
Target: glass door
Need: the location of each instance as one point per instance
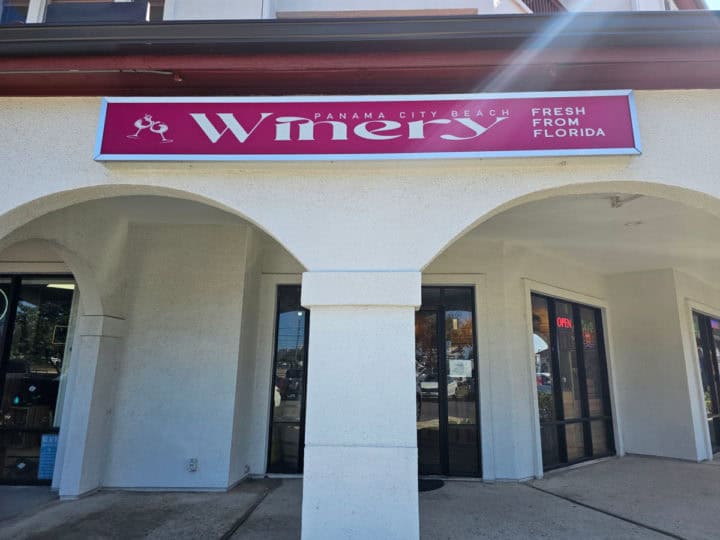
(34, 323)
(707, 337)
(446, 383)
(572, 384)
(287, 423)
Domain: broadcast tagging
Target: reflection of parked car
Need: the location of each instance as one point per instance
(290, 386)
(544, 382)
(429, 389)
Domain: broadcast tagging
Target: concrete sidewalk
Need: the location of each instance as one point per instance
(125, 515)
(632, 497)
(17, 501)
(677, 497)
(462, 510)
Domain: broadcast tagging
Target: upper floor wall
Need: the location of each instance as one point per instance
(133, 11)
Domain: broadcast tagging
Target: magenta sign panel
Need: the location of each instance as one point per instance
(368, 127)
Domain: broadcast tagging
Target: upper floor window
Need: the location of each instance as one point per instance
(13, 11)
(80, 11)
(93, 11)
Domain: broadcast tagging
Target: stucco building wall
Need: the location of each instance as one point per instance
(435, 201)
(177, 319)
(180, 357)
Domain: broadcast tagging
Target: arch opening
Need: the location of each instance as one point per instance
(25, 213)
(170, 312)
(588, 337)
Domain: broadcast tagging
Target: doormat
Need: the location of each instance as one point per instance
(429, 485)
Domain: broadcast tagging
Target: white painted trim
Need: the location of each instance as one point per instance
(264, 355)
(169, 10)
(268, 9)
(702, 308)
(538, 461)
(553, 291)
(322, 289)
(617, 419)
(366, 157)
(36, 11)
(695, 387)
(478, 281)
(64, 400)
(565, 294)
(21, 267)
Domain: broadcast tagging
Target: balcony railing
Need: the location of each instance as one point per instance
(545, 6)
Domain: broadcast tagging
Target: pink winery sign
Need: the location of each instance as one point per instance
(368, 127)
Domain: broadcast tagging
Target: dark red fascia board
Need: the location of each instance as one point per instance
(445, 54)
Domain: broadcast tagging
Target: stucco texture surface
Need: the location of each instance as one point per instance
(424, 204)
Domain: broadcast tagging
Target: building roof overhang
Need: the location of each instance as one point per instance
(642, 50)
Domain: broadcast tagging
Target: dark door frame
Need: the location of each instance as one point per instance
(586, 420)
(306, 342)
(714, 374)
(440, 310)
(16, 281)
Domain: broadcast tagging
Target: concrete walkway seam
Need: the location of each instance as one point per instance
(246, 515)
(607, 513)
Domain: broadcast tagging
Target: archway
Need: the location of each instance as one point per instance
(522, 194)
(168, 386)
(612, 275)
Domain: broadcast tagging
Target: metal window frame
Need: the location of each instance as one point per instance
(303, 405)
(586, 420)
(711, 368)
(439, 310)
(16, 282)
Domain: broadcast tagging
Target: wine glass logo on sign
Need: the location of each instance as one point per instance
(155, 126)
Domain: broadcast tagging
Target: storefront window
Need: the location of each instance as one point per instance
(288, 391)
(571, 379)
(544, 379)
(13, 11)
(446, 383)
(103, 11)
(567, 355)
(36, 330)
(707, 336)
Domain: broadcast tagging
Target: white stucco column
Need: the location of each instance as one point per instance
(86, 420)
(360, 469)
(653, 369)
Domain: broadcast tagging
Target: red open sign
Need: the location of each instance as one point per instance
(564, 322)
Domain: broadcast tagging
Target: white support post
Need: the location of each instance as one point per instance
(86, 424)
(360, 466)
(212, 9)
(36, 11)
